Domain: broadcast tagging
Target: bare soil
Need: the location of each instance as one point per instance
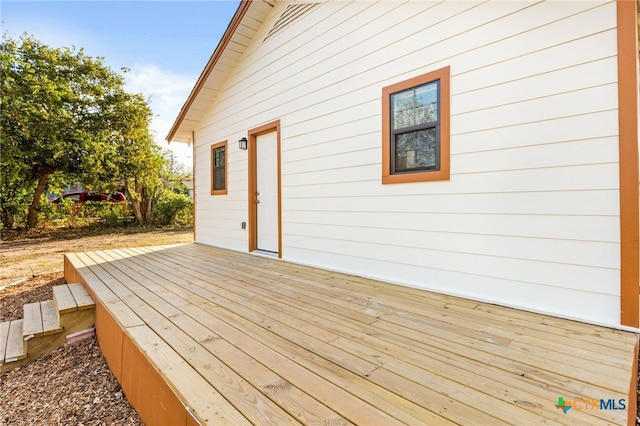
(72, 385)
(25, 255)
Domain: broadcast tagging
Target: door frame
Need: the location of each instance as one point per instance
(253, 183)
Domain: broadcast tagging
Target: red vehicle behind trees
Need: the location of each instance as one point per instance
(84, 196)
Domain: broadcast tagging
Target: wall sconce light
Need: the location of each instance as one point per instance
(242, 143)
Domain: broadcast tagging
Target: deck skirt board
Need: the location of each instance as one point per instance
(288, 344)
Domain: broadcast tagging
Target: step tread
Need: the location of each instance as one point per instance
(82, 298)
(63, 299)
(4, 335)
(16, 346)
(32, 325)
(50, 318)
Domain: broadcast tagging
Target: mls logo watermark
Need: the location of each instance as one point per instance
(583, 404)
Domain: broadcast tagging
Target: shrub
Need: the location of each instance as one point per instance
(69, 214)
(173, 209)
(110, 214)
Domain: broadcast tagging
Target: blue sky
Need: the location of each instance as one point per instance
(166, 44)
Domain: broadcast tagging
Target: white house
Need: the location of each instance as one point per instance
(482, 149)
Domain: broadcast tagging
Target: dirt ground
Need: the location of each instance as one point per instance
(23, 256)
(72, 385)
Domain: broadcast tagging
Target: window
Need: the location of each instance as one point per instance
(415, 129)
(219, 168)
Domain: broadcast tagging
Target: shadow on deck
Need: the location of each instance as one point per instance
(197, 334)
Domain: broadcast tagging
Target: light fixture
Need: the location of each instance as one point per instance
(242, 143)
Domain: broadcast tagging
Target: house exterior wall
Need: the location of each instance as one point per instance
(530, 215)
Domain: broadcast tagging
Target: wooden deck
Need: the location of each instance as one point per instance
(197, 334)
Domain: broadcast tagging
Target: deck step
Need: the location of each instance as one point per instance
(16, 346)
(4, 335)
(63, 299)
(80, 295)
(71, 298)
(32, 326)
(50, 318)
(47, 325)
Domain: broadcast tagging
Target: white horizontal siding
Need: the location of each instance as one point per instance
(572, 78)
(542, 133)
(520, 294)
(563, 252)
(539, 109)
(530, 214)
(500, 257)
(219, 217)
(565, 179)
(554, 203)
(547, 227)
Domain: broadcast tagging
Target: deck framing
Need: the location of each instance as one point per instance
(197, 334)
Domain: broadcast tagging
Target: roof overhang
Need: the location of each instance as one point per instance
(240, 32)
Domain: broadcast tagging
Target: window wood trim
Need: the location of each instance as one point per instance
(627, 20)
(443, 75)
(226, 168)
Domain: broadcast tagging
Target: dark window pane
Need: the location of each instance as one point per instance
(416, 150)
(218, 155)
(219, 169)
(218, 179)
(415, 106)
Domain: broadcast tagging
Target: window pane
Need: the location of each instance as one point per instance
(415, 106)
(219, 164)
(218, 157)
(218, 179)
(415, 150)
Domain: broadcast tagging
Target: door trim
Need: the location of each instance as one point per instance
(253, 183)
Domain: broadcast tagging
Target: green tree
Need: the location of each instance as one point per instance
(66, 114)
(175, 173)
(138, 163)
(57, 107)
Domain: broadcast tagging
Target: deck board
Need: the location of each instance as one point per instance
(63, 299)
(32, 316)
(288, 344)
(80, 295)
(343, 401)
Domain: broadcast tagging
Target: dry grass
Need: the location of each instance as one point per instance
(25, 255)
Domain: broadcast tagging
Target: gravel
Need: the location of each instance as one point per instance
(70, 386)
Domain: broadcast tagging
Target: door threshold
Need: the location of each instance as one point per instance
(265, 253)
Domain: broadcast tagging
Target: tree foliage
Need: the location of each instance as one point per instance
(65, 113)
(139, 161)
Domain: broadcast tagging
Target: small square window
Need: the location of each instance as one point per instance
(219, 168)
(415, 126)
